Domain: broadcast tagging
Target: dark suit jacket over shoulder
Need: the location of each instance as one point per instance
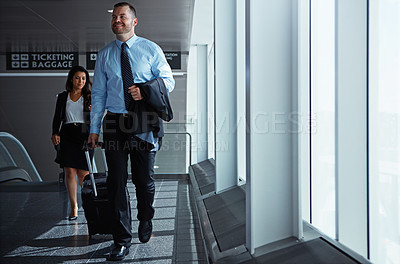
(156, 95)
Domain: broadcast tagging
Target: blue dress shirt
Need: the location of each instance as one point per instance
(147, 61)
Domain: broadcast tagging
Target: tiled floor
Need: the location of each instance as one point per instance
(34, 229)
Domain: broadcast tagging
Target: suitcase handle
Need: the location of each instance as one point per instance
(86, 145)
(103, 153)
(89, 163)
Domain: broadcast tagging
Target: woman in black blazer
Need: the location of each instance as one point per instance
(71, 129)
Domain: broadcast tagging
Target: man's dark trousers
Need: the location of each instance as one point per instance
(119, 143)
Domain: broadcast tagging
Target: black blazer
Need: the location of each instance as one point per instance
(155, 94)
(145, 115)
(59, 114)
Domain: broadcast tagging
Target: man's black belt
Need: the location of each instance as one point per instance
(125, 115)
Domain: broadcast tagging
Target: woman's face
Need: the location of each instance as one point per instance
(79, 80)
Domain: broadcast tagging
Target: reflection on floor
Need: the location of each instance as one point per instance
(35, 229)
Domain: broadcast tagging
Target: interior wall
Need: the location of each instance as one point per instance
(27, 107)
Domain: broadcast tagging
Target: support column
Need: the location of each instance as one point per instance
(202, 127)
(241, 86)
(270, 205)
(225, 94)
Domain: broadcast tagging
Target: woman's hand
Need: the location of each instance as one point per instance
(55, 139)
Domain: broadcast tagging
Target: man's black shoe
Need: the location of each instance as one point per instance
(145, 229)
(118, 253)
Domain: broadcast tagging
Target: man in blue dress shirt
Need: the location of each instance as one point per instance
(129, 127)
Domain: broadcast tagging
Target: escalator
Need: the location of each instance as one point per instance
(15, 164)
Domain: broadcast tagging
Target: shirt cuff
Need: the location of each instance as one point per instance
(94, 130)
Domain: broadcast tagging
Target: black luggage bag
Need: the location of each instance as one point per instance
(95, 201)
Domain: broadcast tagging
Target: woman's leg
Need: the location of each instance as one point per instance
(70, 182)
(81, 176)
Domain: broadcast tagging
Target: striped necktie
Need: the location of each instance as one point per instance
(127, 77)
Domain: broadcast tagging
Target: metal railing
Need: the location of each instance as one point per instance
(175, 155)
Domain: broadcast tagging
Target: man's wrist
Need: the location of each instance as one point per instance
(94, 130)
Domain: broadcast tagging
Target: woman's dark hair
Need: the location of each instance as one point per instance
(86, 91)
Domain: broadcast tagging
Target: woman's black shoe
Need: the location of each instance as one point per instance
(72, 218)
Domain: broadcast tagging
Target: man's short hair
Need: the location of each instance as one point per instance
(133, 10)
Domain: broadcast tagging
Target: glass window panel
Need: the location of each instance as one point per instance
(323, 112)
(384, 130)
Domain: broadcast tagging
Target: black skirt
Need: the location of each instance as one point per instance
(72, 138)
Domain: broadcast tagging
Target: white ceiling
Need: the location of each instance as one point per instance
(84, 25)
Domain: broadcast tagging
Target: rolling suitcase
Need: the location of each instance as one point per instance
(95, 201)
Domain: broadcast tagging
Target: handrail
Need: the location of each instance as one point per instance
(190, 142)
(179, 123)
(8, 153)
(28, 159)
